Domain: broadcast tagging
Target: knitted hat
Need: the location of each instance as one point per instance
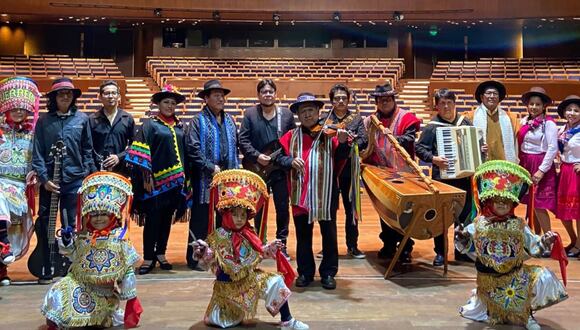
(500, 178)
(105, 192)
(19, 93)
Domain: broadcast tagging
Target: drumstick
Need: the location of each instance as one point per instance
(405, 154)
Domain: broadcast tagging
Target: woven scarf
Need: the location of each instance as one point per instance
(209, 132)
(509, 147)
(313, 189)
(531, 125)
(566, 136)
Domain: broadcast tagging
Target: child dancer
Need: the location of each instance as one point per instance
(508, 291)
(234, 252)
(102, 258)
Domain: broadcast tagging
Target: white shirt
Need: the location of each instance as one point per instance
(112, 116)
(571, 152)
(543, 139)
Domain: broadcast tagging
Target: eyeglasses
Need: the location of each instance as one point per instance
(490, 94)
(340, 98)
(113, 93)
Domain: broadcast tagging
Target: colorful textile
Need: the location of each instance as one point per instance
(105, 192)
(500, 178)
(508, 129)
(545, 190)
(239, 188)
(19, 93)
(568, 204)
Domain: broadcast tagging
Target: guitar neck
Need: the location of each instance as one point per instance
(54, 198)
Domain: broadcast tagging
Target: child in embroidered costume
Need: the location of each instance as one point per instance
(508, 291)
(102, 258)
(19, 96)
(234, 252)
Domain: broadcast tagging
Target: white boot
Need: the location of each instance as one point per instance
(294, 324)
(533, 324)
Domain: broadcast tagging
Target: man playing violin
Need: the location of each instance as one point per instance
(313, 158)
(342, 117)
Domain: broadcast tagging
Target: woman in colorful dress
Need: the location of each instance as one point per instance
(568, 206)
(102, 258)
(19, 97)
(157, 160)
(538, 146)
(508, 290)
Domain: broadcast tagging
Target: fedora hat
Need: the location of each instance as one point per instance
(303, 98)
(567, 101)
(63, 84)
(210, 85)
(168, 91)
(490, 83)
(536, 91)
(384, 90)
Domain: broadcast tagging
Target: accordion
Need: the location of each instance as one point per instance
(461, 145)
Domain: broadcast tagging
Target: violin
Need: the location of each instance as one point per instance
(327, 129)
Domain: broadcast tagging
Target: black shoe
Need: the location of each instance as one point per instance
(146, 269)
(439, 260)
(355, 253)
(405, 257)
(194, 265)
(463, 257)
(302, 281)
(386, 253)
(164, 265)
(328, 282)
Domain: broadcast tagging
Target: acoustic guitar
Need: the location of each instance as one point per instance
(271, 149)
(45, 261)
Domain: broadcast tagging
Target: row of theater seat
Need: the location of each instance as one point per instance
(508, 68)
(163, 68)
(61, 65)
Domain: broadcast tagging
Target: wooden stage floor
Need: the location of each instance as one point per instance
(419, 298)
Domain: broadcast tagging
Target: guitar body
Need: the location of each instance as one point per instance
(272, 149)
(38, 263)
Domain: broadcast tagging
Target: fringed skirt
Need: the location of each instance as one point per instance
(232, 302)
(545, 193)
(568, 207)
(512, 297)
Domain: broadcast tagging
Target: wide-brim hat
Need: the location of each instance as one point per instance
(502, 179)
(168, 91)
(490, 83)
(304, 98)
(211, 85)
(19, 93)
(62, 84)
(537, 91)
(566, 102)
(384, 90)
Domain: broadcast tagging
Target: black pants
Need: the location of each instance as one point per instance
(158, 219)
(279, 187)
(464, 184)
(198, 226)
(350, 225)
(304, 254)
(391, 239)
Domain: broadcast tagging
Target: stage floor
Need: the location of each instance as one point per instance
(419, 296)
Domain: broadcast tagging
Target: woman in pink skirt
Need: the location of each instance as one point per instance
(568, 206)
(538, 145)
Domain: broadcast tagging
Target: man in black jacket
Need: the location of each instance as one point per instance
(426, 150)
(261, 128)
(112, 130)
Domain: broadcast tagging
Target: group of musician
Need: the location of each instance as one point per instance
(171, 163)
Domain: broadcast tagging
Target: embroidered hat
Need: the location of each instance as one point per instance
(63, 84)
(211, 85)
(500, 178)
(567, 101)
(383, 90)
(19, 93)
(490, 84)
(168, 91)
(238, 187)
(105, 192)
(303, 98)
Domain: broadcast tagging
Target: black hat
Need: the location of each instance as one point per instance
(168, 91)
(384, 90)
(490, 83)
(62, 84)
(305, 98)
(537, 91)
(212, 84)
(567, 101)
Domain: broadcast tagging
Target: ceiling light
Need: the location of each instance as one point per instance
(71, 17)
(61, 19)
(372, 23)
(292, 22)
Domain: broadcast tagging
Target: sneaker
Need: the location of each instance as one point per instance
(294, 324)
(285, 253)
(319, 254)
(5, 281)
(8, 258)
(439, 260)
(355, 253)
(533, 324)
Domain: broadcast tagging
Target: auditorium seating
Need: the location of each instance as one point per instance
(58, 65)
(162, 68)
(508, 68)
